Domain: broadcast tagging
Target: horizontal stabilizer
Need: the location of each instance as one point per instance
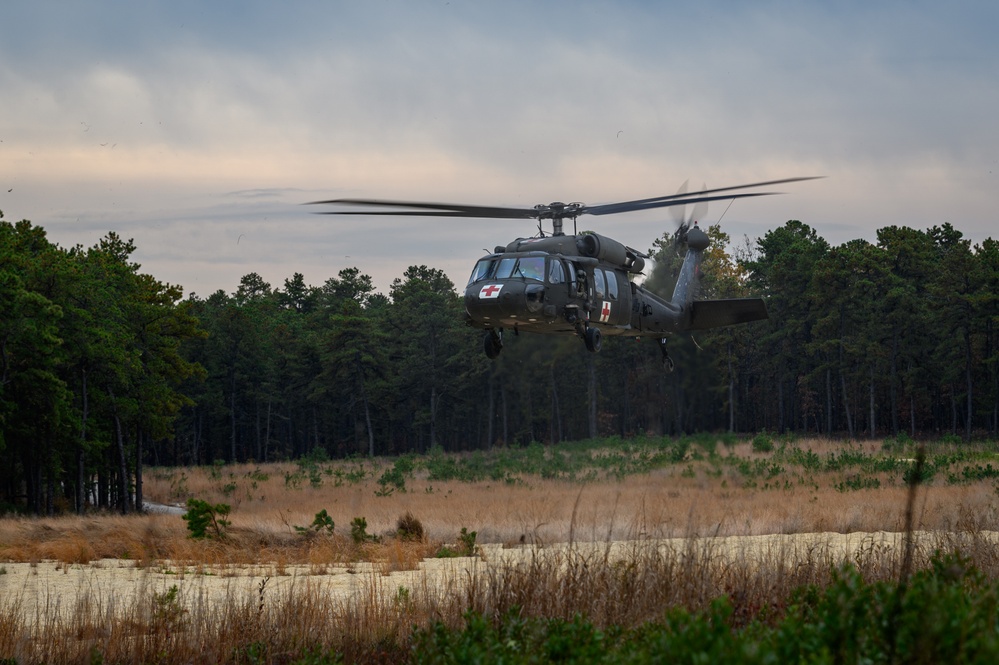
(706, 314)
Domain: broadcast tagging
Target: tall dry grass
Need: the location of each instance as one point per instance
(570, 565)
(609, 584)
(689, 498)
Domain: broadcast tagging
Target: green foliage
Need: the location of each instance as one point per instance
(168, 612)
(762, 443)
(205, 520)
(394, 478)
(359, 532)
(321, 523)
(91, 348)
(464, 547)
(946, 614)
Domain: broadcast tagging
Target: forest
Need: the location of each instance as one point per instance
(104, 369)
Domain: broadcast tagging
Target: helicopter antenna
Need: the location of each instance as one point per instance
(731, 201)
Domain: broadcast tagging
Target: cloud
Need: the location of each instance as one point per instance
(189, 126)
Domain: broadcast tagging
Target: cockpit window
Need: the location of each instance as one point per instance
(483, 270)
(505, 268)
(598, 283)
(556, 275)
(528, 267)
(531, 267)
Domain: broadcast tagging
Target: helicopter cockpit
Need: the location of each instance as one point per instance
(504, 267)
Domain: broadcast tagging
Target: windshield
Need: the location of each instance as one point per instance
(529, 267)
(483, 269)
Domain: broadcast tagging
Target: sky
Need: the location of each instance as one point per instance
(199, 129)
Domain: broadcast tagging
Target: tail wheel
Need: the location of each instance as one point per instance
(592, 338)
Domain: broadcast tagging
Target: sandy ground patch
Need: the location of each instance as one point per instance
(45, 590)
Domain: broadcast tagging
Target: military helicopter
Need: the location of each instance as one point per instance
(582, 284)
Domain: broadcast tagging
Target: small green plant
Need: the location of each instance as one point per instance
(322, 522)
(205, 520)
(359, 532)
(215, 472)
(168, 613)
(391, 480)
(464, 547)
(762, 443)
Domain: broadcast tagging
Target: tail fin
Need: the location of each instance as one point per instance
(704, 314)
(686, 284)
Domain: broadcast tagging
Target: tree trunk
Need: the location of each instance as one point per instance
(124, 502)
(433, 415)
(491, 415)
(232, 417)
(967, 366)
(731, 391)
(829, 403)
(138, 472)
(873, 423)
(81, 461)
(846, 404)
(894, 384)
(591, 392)
(267, 429)
(505, 415)
(556, 428)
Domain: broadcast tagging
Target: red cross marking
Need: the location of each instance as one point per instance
(489, 291)
(605, 312)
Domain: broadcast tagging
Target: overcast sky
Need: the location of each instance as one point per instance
(198, 129)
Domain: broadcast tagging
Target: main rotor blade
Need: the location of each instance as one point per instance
(561, 211)
(424, 209)
(692, 197)
(663, 202)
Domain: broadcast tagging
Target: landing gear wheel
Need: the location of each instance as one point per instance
(667, 361)
(492, 344)
(592, 339)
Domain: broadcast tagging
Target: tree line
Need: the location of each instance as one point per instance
(104, 369)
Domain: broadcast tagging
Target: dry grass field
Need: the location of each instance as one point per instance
(618, 547)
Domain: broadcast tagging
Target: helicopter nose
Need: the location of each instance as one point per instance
(501, 301)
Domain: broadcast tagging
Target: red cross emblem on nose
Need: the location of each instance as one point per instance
(605, 312)
(491, 291)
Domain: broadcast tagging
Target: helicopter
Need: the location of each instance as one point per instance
(582, 284)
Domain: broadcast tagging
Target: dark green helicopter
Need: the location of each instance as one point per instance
(582, 284)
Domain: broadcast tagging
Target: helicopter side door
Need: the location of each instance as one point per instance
(610, 297)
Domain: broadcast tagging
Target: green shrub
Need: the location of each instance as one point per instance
(762, 443)
(359, 532)
(464, 547)
(205, 520)
(321, 522)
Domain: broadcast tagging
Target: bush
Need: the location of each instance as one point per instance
(464, 547)
(359, 532)
(321, 522)
(205, 520)
(409, 528)
(762, 443)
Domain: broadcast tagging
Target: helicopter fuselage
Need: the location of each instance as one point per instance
(565, 284)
